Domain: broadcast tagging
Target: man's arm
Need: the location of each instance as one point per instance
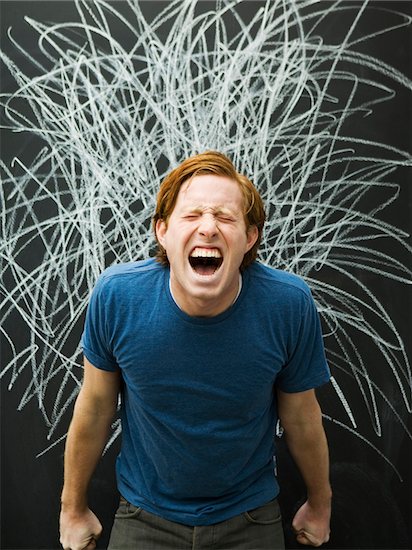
(93, 414)
(301, 418)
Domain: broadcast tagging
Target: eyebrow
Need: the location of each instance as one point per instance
(216, 210)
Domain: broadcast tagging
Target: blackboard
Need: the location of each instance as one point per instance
(313, 102)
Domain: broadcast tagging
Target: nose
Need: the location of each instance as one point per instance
(207, 226)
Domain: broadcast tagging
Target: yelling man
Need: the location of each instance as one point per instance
(208, 349)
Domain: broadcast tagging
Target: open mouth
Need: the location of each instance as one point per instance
(205, 261)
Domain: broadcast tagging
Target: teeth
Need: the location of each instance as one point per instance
(206, 253)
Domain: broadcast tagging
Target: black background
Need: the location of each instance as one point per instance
(372, 507)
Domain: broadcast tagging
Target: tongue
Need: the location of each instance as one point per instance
(205, 269)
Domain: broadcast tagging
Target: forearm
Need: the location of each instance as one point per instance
(308, 446)
(86, 439)
(93, 414)
(301, 419)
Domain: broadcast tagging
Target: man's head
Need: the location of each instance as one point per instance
(208, 223)
(210, 162)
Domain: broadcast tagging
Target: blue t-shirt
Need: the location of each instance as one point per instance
(198, 402)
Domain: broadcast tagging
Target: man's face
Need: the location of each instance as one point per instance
(205, 239)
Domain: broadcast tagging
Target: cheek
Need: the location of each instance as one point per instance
(177, 238)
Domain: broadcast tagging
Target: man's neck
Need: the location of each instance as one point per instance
(206, 308)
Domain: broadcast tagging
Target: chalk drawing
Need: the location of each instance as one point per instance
(116, 100)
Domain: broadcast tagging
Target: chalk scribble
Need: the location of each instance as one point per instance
(114, 100)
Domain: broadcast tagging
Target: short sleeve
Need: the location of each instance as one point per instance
(95, 338)
(307, 366)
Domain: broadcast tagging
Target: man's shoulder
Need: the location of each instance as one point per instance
(131, 268)
(284, 280)
(137, 275)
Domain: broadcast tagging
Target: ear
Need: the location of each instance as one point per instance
(161, 229)
(252, 236)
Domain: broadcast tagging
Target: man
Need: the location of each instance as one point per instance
(208, 349)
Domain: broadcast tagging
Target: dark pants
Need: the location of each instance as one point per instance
(259, 529)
